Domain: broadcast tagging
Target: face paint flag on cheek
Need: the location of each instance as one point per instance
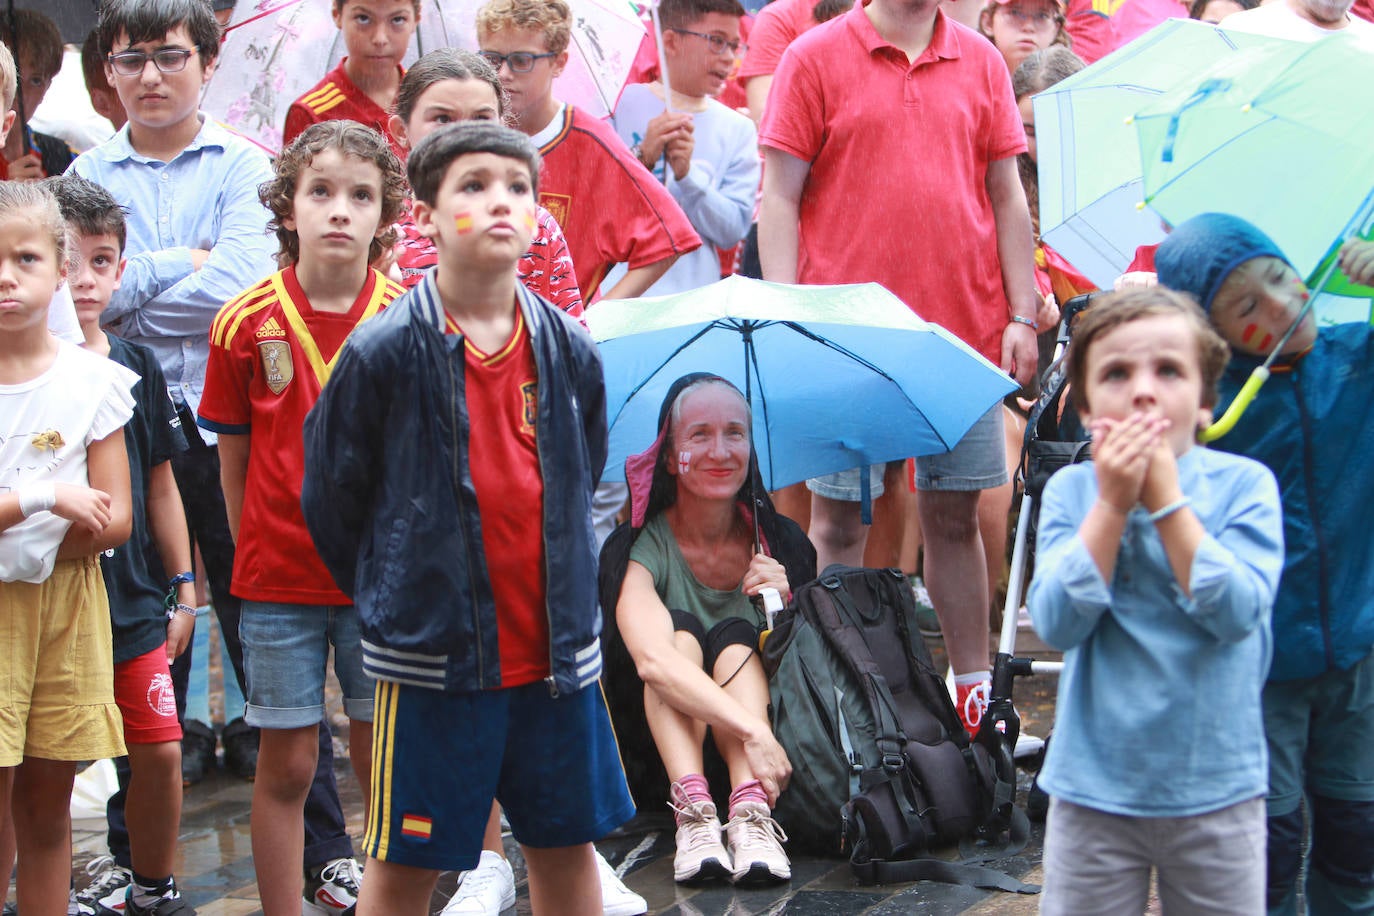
(1249, 332)
(530, 221)
(684, 462)
(463, 223)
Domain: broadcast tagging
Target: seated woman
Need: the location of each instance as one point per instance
(687, 566)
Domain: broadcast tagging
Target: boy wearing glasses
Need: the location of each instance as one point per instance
(704, 152)
(611, 209)
(362, 88)
(197, 237)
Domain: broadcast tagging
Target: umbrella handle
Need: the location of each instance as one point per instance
(1238, 406)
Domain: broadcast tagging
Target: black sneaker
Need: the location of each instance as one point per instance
(197, 751)
(169, 904)
(240, 742)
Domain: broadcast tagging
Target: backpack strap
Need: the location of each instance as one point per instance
(878, 871)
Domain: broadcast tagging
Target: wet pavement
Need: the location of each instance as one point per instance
(215, 869)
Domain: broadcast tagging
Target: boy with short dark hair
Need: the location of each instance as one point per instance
(468, 548)
(1157, 567)
(1308, 424)
(705, 153)
(32, 155)
(363, 86)
(149, 628)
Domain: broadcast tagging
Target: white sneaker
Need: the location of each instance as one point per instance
(700, 854)
(616, 898)
(106, 892)
(486, 890)
(755, 841)
(333, 889)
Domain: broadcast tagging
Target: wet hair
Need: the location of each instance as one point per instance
(39, 40)
(680, 14)
(87, 207)
(9, 80)
(351, 139)
(1038, 72)
(552, 17)
(826, 10)
(1197, 7)
(675, 409)
(430, 160)
(92, 63)
(151, 20)
(32, 200)
(447, 64)
(1061, 36)
(1120, 308)
(339, 5)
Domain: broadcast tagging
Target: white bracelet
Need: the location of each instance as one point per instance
(37, 497)
(1166, 511)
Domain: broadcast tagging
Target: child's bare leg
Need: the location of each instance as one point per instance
(286, 767)
(6, 828)
(153, 807)
(360, 756)
(491, 837)
(390, 889)
(41, 808)
(563, 881)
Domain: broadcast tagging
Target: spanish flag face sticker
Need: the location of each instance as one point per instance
(529, 221)
(463, 223)
(417, 827)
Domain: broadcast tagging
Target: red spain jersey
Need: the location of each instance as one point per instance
(610, 206)
(501, 392)
(338, 98)
(270, 355)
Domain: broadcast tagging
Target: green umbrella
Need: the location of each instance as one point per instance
(1089, 161)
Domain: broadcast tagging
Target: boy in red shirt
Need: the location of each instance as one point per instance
(611, 209)
(337, 191)
(363, 86)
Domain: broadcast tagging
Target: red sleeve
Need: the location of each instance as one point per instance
(773, 31)
(225, 404)
(793, 121)
(657, 231)
(298, 118)
(1006, 135)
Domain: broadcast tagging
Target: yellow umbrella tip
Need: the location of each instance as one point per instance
(1140, 205)
(1246, 107)
(1130, 119)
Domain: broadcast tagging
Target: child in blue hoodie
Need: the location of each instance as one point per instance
(1310, 424)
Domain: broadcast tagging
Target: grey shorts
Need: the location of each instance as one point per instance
(977, 462)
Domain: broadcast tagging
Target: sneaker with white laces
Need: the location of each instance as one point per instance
(332, 889)
(486, 890)
(700, 856)
(616, 898)
(755, 842)
(106, 893)
(168, 904)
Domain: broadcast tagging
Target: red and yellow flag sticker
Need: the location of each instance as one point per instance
(414, 825)
(463, 223)
(530, 221)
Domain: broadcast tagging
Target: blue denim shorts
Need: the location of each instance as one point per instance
(286, 654)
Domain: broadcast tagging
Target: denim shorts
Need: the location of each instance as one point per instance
(286, 654)
(977, 462)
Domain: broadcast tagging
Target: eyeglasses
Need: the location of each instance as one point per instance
(167, 60)
(518, 61)
(716, 43)
(1039, 19)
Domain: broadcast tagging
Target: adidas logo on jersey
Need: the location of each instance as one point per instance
(270, 328)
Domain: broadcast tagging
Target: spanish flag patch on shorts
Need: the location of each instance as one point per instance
(413, 825)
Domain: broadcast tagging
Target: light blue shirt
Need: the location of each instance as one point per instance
(206, 197)
(717, 193)
(1159, 702)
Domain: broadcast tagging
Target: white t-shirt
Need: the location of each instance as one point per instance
(1280, 20)
(46, 424)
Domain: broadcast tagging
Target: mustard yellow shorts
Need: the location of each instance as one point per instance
(57, 668)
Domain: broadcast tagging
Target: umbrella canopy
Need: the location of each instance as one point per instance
(1089, 160)
(837, 376)
(1280, 135)
(276, 50)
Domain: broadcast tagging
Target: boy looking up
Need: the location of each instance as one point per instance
(897, 81)
(337, 192)
(472, 565)
(197, 237)
(710, 150)
(611, 210)
(1156, 575)
(1309, 425)
(145, 814)
(363, 86)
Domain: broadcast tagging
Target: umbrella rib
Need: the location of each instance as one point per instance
(648, 377)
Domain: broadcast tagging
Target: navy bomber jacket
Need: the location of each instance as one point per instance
(389, 499)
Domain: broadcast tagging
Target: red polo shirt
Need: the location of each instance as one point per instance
(777, 26)
(899, 152)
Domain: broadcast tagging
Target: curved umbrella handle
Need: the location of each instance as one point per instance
(1238, 406)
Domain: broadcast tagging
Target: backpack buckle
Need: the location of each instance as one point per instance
(894, 763)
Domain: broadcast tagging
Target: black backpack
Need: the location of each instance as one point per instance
(883, 770)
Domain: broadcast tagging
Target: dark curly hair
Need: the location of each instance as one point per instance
(351, 139)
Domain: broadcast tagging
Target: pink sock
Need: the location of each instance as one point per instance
(751, 791)
(690, 789)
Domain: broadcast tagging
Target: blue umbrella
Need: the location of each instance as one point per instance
(837, 376)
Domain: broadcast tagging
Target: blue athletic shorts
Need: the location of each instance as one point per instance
(438, 760)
